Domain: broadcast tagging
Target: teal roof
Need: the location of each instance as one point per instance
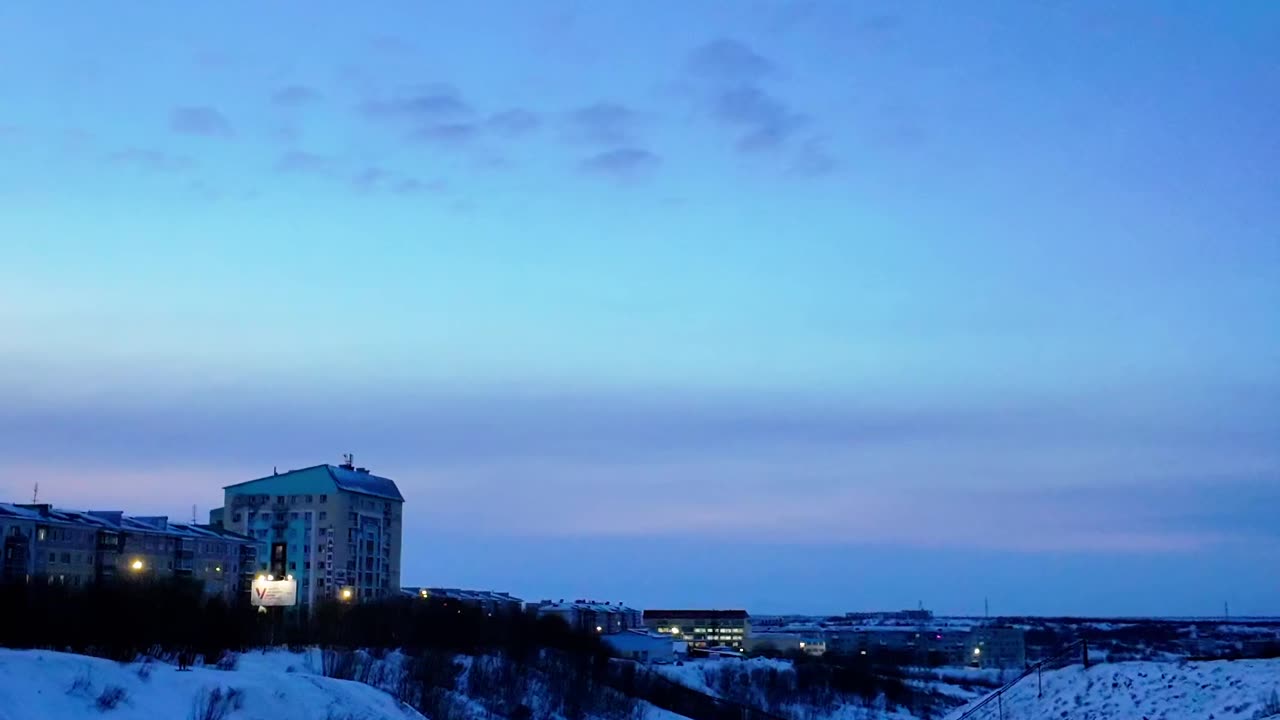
(356, 480)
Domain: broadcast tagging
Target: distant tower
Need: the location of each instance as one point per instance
(193, 514)
(35, 494)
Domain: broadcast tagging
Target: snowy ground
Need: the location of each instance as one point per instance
(43, 685)
(1220, 690)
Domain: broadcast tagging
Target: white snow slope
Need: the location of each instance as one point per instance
(1221, 690)
(44, 685)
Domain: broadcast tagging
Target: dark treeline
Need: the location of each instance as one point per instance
(513, 657)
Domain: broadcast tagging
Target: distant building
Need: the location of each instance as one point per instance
(641, 646)
(903, 616)
(924, 645)
(335, 528)
(786, 643)
(75, 548)
(702, 628)
(591, 616)
(996, 646)
(486, 601)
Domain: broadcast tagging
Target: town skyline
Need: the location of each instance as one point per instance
(812, 306)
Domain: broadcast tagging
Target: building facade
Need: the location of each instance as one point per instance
(486, 601)
(702, 628)
(590, 616)
(69, 547)
(335, 529)
(997, 646)
(641, 646)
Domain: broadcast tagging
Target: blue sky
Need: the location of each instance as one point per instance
(779, 305)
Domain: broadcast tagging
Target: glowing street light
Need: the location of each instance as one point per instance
(599, 629)
(977, 651)
(136, 565)
(346, 593)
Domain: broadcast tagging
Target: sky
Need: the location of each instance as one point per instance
(794, 306)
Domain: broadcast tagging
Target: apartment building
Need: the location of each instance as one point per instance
(77, 548)
(335, 528)
(591, 616)
(702, 628)
(486, 601)
(997, 646)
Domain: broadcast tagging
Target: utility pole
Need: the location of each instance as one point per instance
(986, 609)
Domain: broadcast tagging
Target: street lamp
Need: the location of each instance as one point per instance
(346, 593)
(136, 565)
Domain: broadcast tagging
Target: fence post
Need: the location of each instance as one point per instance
(1000, 704)
(1084, 644)
(1039, 683)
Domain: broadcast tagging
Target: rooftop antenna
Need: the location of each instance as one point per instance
(193, 514)
(35, 494)
(348, 461)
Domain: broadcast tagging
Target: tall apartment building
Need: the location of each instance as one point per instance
(45, 544)
(702, 628)
(335, 529)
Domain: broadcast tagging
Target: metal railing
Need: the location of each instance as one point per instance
(993, 705)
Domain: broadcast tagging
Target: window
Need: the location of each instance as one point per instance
(279, 499)
(353, 517)
(308, 498)
(293, 564)
(41, 534)
(323, 515)
(53, 557)
(324, 498)
(306, 565)
(236, 517)
(293, 516)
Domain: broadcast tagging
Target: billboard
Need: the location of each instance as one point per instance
(273, 593)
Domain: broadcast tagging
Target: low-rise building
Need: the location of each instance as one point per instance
(487, 601)
(997, 646)
(75, 548)
(702, 628)
(641, 646)
(591, 616)
(785, 643)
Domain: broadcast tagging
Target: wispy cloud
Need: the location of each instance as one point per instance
(433, 103)
(151, 160)
(622, 163)
(766, 122)
(448, 134)
(377, 179)
(729, 61)
(603, 123)
(515, 121)
(300, 162)
(200, 120)
(814, 159)
(294, 96)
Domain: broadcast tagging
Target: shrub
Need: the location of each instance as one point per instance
(82, 685)
(144, 669)
(110, 697)
(227, 661)
(216, 703)
(1270, 707)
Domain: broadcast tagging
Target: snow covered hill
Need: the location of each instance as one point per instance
(44, 685)
(1219, 690)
